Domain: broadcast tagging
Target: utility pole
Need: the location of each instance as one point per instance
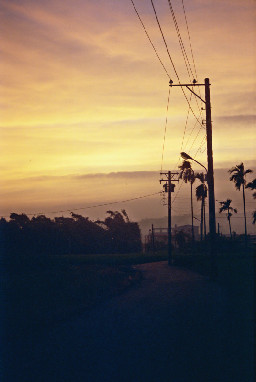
(210, 175)
(169, 187)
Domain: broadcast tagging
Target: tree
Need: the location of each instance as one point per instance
(252, 186)
(238, 177)
(226, 206)
(201, 194)
(254, 217)
(188, 175)
(124, 235)
(20, 219)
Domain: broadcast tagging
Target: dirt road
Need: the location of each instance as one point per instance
(176, 326)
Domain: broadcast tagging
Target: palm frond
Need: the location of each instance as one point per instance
(251, 185)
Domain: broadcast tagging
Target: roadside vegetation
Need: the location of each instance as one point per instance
(54, 268)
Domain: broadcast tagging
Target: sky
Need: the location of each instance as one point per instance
(84, 100)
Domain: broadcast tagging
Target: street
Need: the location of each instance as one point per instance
(175, 326)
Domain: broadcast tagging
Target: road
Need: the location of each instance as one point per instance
(175, 326)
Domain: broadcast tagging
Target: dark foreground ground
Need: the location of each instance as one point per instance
(174, 326)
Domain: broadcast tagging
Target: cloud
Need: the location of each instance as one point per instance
(237, 119)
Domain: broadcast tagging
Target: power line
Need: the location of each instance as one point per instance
(94, 206)
(191, 50)
(153, 46)
(175, 197)
(190, 43)
(191, 132)
(174, 68)
(182, 47)
(166, 120)
(202, 142)
(145, 30)
(199, 130)
(184, 132)
(183, 50)
(186, 123)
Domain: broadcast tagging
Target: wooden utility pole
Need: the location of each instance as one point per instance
(169, 187)
(210, 176)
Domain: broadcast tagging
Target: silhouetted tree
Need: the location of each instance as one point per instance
(254, 217)
(226, 206)
(188, 175)
(125, 235)
(66, 235)
(201, 194)
(238, 177)
(252, 186)
(20, 219)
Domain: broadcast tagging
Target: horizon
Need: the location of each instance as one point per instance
(149, 207)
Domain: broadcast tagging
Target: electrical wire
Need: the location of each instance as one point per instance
(199, 148)
(186, 123)
(161, 62)
(153, 46)
(94, 206)
(169, 55)
(176, 195)
(199, 130)
(166, 120)
(183, 50)
(190, 43)
(191, 132)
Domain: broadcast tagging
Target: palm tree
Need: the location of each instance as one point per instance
(226, 206)
(188, 175)
(238, 178)
(252, 186)
(201, 194)
(254, 217)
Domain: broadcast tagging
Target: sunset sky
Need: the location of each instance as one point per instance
(83, 99)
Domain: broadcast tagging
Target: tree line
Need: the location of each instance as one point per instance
(69, 235)
(237, 175)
